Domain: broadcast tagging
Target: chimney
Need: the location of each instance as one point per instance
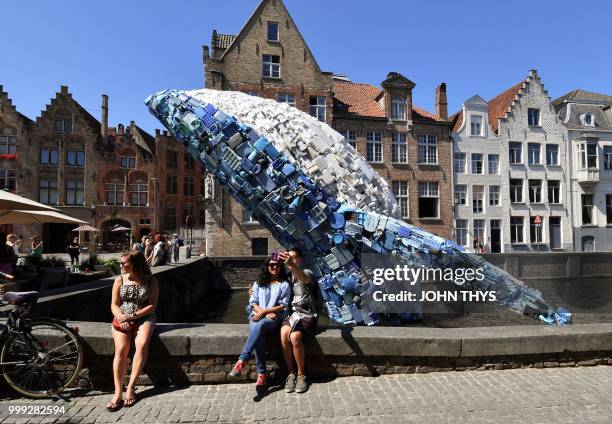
(104, 116)
(120, 129)
(441, 102)
(157, 132)
(132, 127)
(64, 89)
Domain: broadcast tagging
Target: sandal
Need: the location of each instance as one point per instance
(114, 407)
(129, 402)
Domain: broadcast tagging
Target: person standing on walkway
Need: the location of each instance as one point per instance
(176, 244)
(37, 246)
(74, 250)
(134, 300)
(301, 323)
(14, 242)
(267, 308)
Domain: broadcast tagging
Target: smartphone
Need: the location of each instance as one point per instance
(275, 256)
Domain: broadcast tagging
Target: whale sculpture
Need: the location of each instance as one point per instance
(298, 178)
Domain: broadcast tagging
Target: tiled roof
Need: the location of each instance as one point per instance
(498, 105)
(222, 41)
(360, 100)
(582, 96)
(457, 120)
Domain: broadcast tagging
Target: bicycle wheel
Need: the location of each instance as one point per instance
(43, 359)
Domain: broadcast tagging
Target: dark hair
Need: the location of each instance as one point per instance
(265, 277)
(296, 250)
(138, 262)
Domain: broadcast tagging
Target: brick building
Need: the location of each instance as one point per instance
(107, 176)
(408, 146)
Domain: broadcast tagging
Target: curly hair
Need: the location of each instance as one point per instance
(265, 277)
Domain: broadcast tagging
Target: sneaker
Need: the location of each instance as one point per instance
(235, 372)
(262, 382)
(301, 385)
(290, 383)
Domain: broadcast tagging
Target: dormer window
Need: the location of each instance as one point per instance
(397, 108)
(476, 125)
(587, 120)
(273, 31)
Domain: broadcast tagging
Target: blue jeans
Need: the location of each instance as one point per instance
(256, 342)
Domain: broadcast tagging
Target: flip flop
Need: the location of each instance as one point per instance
(129, 402)
(114, 407)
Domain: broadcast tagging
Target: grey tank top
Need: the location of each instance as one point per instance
(134, 296)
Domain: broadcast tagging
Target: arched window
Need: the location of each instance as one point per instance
(398, 108)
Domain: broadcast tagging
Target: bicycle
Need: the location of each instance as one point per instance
(39, 357)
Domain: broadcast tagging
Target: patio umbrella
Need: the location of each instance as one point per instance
(85, 228)
(121, 229)
(11, 201)
(29, 217)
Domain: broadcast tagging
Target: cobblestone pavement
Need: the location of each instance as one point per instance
(552, 395)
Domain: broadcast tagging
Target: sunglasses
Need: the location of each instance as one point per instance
(123, 264)
(274, 265)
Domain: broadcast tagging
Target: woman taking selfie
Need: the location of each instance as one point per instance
(133, 304)
(267, 308)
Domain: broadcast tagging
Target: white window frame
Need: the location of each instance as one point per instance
(474, 160)
(398, 108)
(460, 195)
(534, 149)
(430, 189)
(399, 148)
(140, 189)
(428, 149)
(461, 232)
(517, 230)
(478, 199)
(494, 193)
(493, 159)
(552, 154)
(8, 144)
(583, 207)
(116, 189)
(517, 190)
(513, 147)
(459, 159)
(6, 176)
(551, 187)
(400, 191)
(584, 155)
(318, 108)
(271, 66)
(476, 125)
(374, 147)
(535, 191)
(286, 98)
(351, 137)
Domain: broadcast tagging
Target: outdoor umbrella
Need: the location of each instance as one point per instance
(11, 201)
(121, 229)
(29, 217)
(85, 228)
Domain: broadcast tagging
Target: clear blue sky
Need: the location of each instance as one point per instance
(128, 49)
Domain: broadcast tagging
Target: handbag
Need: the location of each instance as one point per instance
(131, 324)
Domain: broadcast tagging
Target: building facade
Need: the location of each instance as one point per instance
(408, 146)
(588, 119)
(478, 209)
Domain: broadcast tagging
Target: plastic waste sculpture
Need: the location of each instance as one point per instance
(309, 188)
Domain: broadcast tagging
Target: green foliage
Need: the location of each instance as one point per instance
(90, 262)
(112, 266)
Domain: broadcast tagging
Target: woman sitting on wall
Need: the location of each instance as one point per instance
(267, 308)
(133, 304)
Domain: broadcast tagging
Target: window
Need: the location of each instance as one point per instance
(479, 233)
(516, 191)
(477, 199)
(607, 157)
(247, 218)
(428, 199)
(114, 194)
(609, 209)
(399, 152)
(516, 229)
(350, 137)
(533, 153)
(188, 162)
(145, 221)
(8, 145)
(138, 194)
(588, 155)
(400, 191)
(286, 98)
(47, 191)
(477, 167)
(554, 191)
(586, 119)
(171, 184)
(493, 164)
(494, 191)
(75, 193)
(397, 108)
(272, 31)
(374, 147)
(516, 152)
(75, 157)
(459, 163)
(533, 117)
(535, 231)
(552, 154)
(535, 191)
(171, 159)
(588, 244)
(476, 125)
(187, 211)
(587, 209)
(460, 195)
(63, 125)
(252, 93)
(271, 66)
(8, 179)
(49, 156)
(259, 246)
(188, 186)
(170, 218)
(428, 149)
(461, 232)
(317, 108)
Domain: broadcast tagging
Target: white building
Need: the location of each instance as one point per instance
(588, 118)
(533, 178)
